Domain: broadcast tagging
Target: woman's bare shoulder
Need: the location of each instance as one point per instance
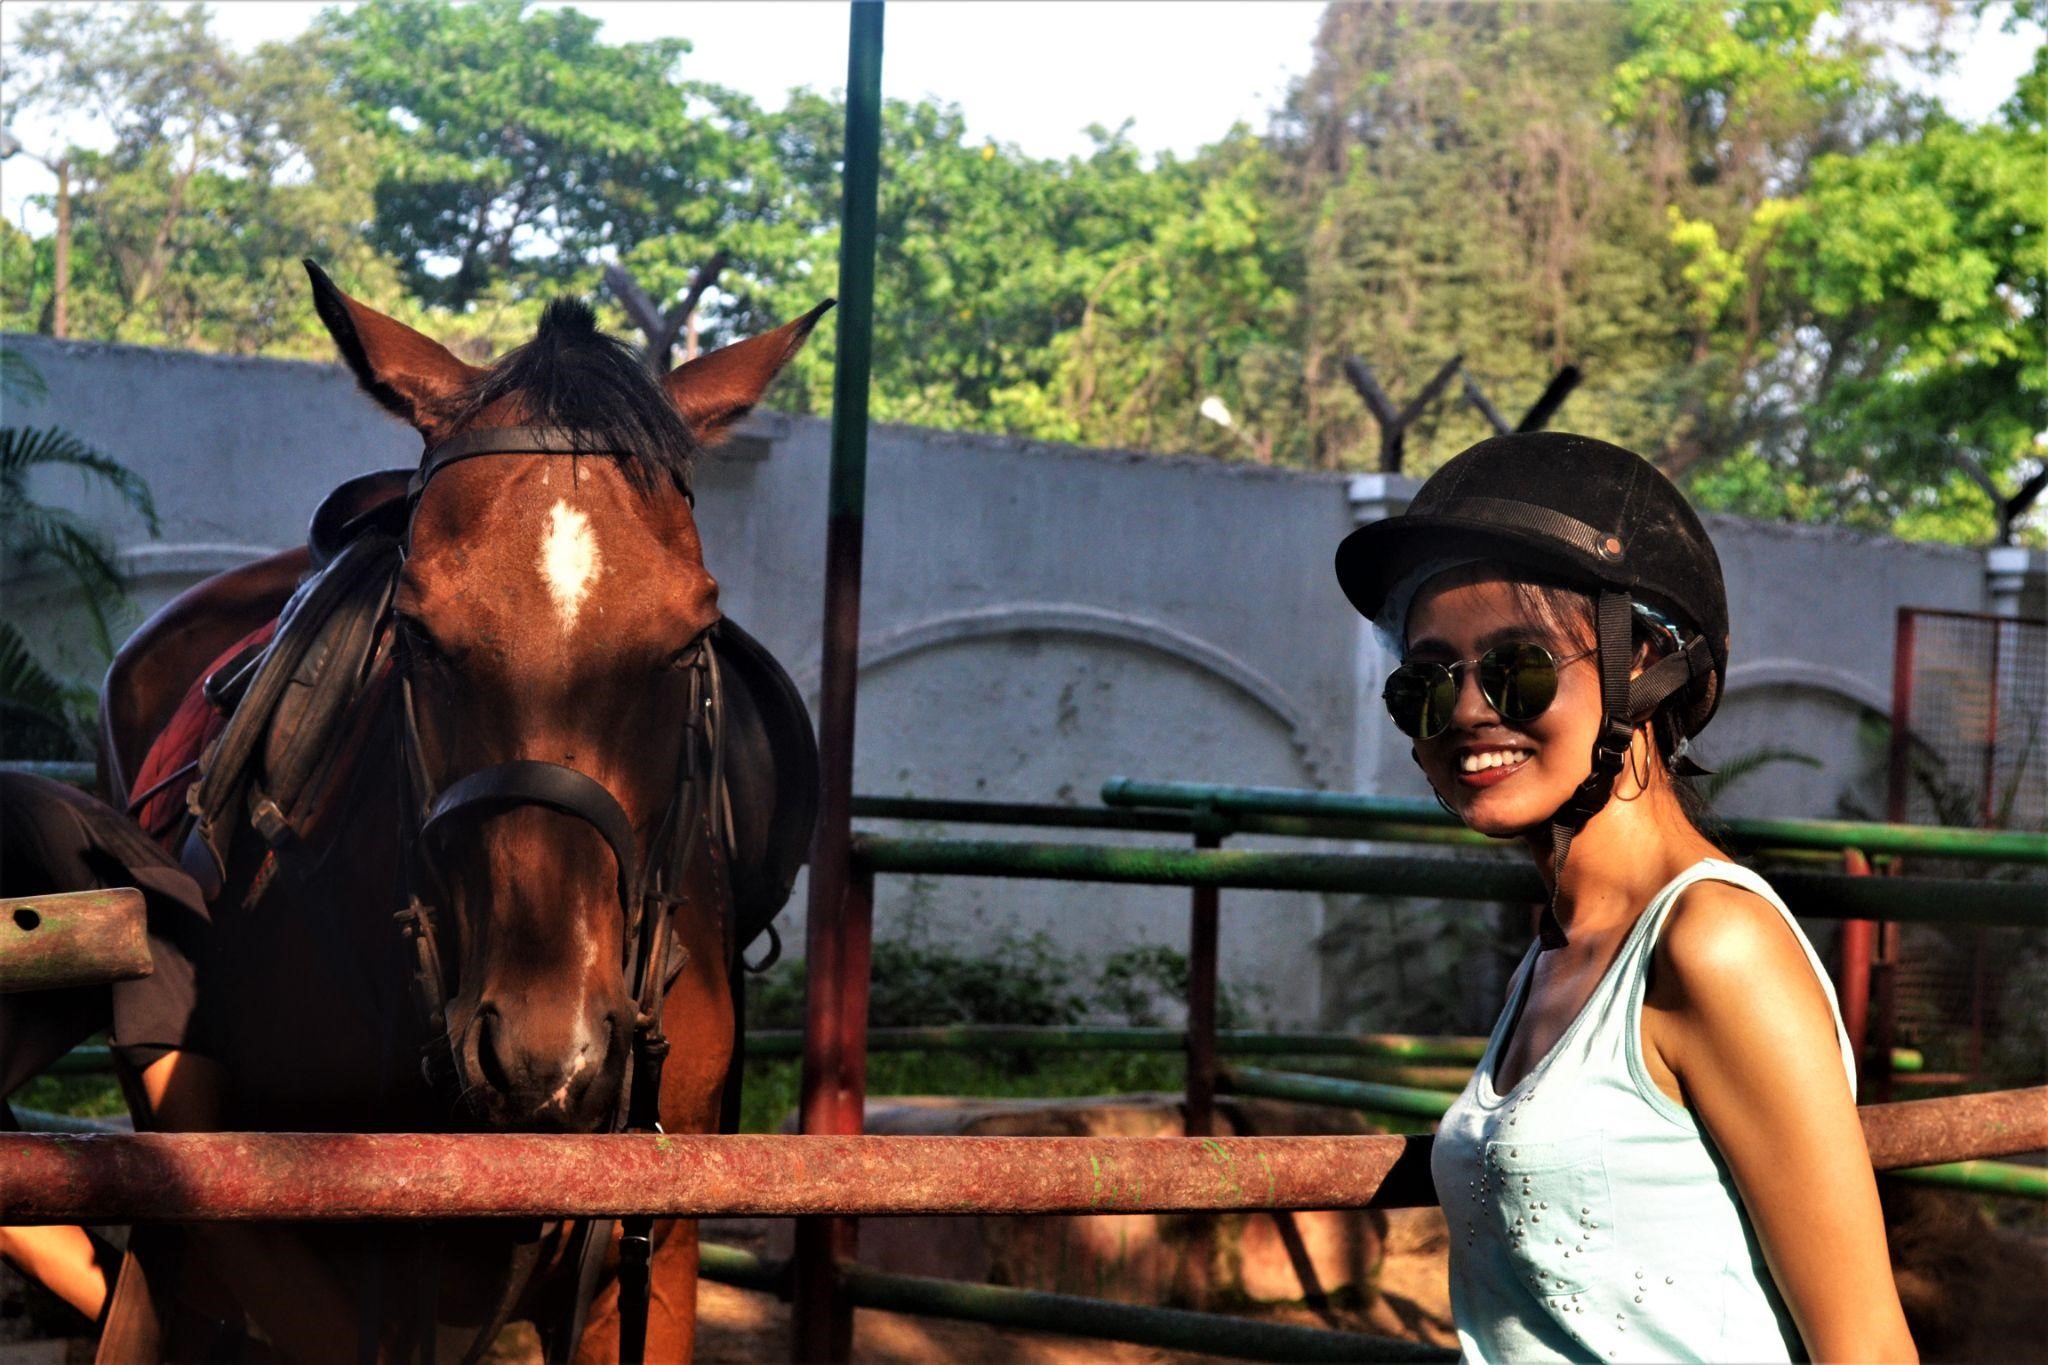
(1727, 955)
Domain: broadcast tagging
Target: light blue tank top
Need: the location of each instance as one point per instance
(1590, 1217)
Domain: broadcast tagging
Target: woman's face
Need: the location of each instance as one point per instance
(1501, 776)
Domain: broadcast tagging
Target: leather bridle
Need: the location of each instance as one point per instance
(648, 891)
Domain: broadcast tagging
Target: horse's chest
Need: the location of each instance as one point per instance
(311, 1025)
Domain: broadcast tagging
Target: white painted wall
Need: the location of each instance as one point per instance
(1035, 619)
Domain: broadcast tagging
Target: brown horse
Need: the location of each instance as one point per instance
(554, 759)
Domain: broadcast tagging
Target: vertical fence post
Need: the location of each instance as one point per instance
(841, 897)
(1884, 962)
(1856, 941)
(1203, 902)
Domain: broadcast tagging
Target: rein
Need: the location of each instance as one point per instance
(648, 891)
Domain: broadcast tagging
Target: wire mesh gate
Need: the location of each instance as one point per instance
(1968, 748)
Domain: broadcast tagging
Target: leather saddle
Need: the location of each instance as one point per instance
(291, 698)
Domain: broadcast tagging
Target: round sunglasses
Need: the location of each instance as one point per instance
(1518, 680)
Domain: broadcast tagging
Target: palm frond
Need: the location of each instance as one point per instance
(31, 532)
(26, 448)
(20, 380)
(36, 708)
(1743, 764)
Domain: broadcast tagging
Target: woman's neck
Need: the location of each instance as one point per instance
(1623, 856)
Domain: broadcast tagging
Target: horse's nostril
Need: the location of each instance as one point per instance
(488, 1061)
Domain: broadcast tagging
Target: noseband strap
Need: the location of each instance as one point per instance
(529, 782)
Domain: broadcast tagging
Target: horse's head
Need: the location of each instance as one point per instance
(549, 611)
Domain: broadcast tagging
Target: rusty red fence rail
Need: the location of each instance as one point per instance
(186, 1177)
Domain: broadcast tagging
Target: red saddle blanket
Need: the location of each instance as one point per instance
(171, 766)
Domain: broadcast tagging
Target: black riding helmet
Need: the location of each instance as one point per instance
(1588, 514)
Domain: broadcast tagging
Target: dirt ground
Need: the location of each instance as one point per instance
(741, 1327)
(1972, 1291)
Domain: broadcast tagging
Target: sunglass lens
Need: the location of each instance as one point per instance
(1520, 680)
(1419, 697)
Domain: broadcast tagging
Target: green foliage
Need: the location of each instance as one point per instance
(1925, 264)
(512, 143)
(224, 171)
(1014, 980)
(35, 535)
(773, 1087)
(42, 715)
(1807, 294)
(1022, 980)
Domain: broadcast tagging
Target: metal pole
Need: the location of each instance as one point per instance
(1857, 937)
(347, 1177)
(837, 931)
(1809, 894)
(1203, 903)
(1362, 816)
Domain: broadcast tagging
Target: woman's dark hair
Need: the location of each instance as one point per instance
(1564, 616)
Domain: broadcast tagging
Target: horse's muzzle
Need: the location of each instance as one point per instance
(555, 1079)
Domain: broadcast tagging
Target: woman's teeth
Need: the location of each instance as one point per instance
(1491, 758)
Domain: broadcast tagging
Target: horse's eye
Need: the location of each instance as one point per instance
(417, 641)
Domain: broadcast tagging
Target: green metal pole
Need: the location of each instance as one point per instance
(1820, 895)
(1925, 840)
(1982, 1177)
(1073, 1315)
(838, 929)
(1370, 1048)
(1172, 1329)
(1372, 1095)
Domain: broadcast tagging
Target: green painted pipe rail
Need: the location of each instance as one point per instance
(1932, 841)
(1375, 1096)
(1173, 1329)
(2008, 1178)
(1812, 894)
(946, 811)
(767, 1044)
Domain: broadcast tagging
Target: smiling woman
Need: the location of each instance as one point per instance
(1658, 1155)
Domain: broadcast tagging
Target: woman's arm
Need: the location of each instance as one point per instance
(1735, 1011)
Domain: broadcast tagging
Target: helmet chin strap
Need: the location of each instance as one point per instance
(1624, 704)
(1612, 622)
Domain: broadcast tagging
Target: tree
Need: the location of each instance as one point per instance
(224, 170)
(1461, 191)
(514, 146)
(1921, 274)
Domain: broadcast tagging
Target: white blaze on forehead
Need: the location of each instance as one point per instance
(569, 562)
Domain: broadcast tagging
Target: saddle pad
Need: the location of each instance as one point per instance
(171, 768)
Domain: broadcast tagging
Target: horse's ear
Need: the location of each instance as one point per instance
(717, 389)
(411, 374)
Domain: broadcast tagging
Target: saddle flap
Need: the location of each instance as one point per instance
(771, 778)
(280, 741)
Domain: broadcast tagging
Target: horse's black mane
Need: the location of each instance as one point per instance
(573, 377)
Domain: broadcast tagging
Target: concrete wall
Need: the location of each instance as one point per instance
(1035, 619)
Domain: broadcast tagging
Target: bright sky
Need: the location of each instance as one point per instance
(1031, 72)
